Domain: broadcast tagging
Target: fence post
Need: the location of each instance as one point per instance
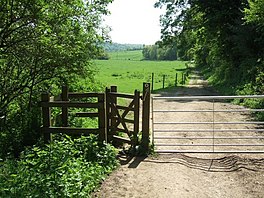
(102, 117)
(152, 82)
(107, 109)
(136, 117)
(145, 116)
(65, 97)
(45, 98)
(163, 84)
(176, 79)
(113, 121)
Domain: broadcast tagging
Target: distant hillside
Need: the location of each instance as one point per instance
(111, 47)
(135, 55)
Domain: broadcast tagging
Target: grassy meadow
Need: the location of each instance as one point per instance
(128, 71)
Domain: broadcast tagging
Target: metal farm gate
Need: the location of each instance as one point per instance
(206, 124)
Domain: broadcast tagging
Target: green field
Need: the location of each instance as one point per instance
(135, 55)
(128, 71)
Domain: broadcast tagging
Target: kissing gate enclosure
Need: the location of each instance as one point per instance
(117, 114)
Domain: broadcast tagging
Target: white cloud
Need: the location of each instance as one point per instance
(134, 21)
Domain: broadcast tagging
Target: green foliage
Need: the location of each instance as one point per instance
(155, 52)
(43, 45)
(65, 168)
(225, 38)
(255, 12)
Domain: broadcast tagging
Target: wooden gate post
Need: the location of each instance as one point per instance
(65, 97)
(45, 98)
(113, 121)
(136, 117)
(145, 116)
(102, 118)
(107, 114)
(110, 121)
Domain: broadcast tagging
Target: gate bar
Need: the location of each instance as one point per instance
(208, 130)
(209, 111)
(206, 151)
(208, 138)
(208, 122)
(215, 145)
(207, 97)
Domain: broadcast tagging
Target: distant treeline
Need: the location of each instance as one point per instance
(110, 47)
(156, 52)
(150, 52)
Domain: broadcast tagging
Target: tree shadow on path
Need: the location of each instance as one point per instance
(224, 164)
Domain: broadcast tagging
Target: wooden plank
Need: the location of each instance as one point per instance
(86, 114)
(72, 104)
(122, 95)
(83, 95)
(124, 119)
(119, 107)
(121, 139)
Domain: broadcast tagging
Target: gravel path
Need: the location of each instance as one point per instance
(188, 175)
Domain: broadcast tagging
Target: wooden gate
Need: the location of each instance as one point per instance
(122, 116)
(118, 115)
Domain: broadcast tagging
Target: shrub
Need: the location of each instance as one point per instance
(64, 168)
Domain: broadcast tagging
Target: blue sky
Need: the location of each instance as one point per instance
(134, 21)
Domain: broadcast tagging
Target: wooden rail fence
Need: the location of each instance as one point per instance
(113, 118)
(64, 102)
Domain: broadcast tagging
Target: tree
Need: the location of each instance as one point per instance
(215, 34)
(159, 52)
(43, 44)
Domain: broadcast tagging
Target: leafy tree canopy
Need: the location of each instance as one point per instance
(43, 44)
(225, 38)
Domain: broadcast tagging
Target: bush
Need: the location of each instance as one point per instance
(65, 168)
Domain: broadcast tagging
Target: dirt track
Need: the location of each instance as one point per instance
(189, 175)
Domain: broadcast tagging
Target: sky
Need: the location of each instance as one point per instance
(134, 21)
